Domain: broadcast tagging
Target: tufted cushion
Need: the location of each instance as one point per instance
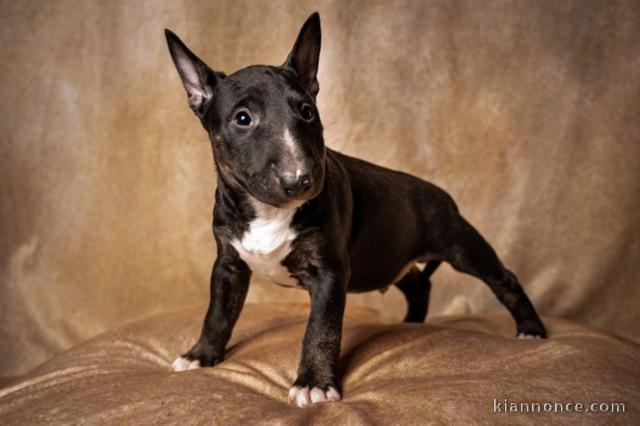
(448, 370)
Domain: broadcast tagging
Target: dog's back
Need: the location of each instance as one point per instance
(394, 218)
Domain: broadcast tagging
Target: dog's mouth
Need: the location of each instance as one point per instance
(271, 191)
(273, 185)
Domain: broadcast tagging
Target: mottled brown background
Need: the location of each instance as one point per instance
(528, 113)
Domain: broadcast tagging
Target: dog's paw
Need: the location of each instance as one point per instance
(302, 396)
(184, 364)
(529, 336)
(200, 355)
(531, 329)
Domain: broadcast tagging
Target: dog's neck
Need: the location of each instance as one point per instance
(269, 213)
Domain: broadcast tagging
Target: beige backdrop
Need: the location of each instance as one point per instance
(528, 113)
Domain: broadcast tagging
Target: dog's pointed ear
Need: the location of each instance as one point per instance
(303, 59)
(197, 78)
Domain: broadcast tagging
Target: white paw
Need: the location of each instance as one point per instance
(302, 396)
(528, 336)
(183, 364)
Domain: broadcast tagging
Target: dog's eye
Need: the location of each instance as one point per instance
(242, 119)
(307, 113)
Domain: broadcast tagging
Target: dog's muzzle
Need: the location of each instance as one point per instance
(296, 186)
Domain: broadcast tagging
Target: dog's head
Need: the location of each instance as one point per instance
(262, 120)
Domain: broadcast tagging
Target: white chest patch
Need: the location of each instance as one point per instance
(267, 242)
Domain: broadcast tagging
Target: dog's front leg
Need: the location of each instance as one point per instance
(229, 285)
(317, 372)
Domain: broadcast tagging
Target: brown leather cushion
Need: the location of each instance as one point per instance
(448, 370)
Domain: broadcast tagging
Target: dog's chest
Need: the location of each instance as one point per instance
(264, 246)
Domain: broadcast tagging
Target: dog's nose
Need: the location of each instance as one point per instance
(296, 185)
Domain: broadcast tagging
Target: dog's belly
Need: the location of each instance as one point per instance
(364, 281)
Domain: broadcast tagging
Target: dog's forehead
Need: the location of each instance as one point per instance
(263, 80)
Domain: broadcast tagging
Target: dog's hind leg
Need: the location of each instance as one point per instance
(416, 286)
(468, 252)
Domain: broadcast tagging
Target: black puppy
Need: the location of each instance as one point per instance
(299, 214)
